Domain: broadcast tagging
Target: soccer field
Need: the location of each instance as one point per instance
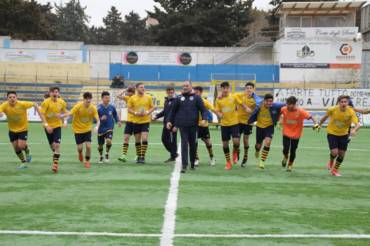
(129, 198)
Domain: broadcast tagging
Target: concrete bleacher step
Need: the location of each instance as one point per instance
(35, 91)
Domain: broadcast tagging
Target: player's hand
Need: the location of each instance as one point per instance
(49, 129)
(119, 124)
(96, 129)
(104, 117)
(247, 109)
(65, 124)
(220, 115)
(316, 127)
(174, 129)
(1, 115)
(353, 133)
(169, 125)
(203, 123)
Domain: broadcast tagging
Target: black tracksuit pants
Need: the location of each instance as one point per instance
(169, 140)
(188, 144)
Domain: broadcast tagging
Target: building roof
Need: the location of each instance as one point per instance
(319, 8)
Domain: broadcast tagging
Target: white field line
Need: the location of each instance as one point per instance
(169, 224)
(70, 233)
(153, 235)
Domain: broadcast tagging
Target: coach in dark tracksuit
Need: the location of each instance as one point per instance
(169, 137)
(185, 115)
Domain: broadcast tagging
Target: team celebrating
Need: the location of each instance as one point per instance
(187, 113)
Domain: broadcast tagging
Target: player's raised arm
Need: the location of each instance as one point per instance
(42, 116)
(121, 94)
(362, 111)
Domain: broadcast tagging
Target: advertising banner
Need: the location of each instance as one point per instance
(320, 54)
(41, 56)
(323, 98)
(159, 58)
(321, 33)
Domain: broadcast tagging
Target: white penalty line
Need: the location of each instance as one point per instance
(190, 235)
(168, 228)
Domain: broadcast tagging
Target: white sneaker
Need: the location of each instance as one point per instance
(196, 163)
(212, 161)
(100, 160)
(106, 160)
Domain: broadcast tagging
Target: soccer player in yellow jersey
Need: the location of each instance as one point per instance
(51, 108)
(16, 113)
(141, 106)
(129, 128)
(247, 102)
(83, 114)
(266, 115)
(203, 130)
(226, 109)
(340, 119)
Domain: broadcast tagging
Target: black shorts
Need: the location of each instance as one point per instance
(83, 137)
(102, 137)
(228, 132)
(14, 136)
(203, 132)
(263, 133)
(139, 128)
(129, 128)
(245, 129)
(55, 136)
(338, 142)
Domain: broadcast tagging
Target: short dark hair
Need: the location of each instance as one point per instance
(291, 100)
(250, 84)
(11, 92)
(170, 88)
(198, 88)
(46, 95)
(138, 84)
(53, 88)
(105, 93)
(225, 84)
(87, 95)
(341, 97)
(268, 96)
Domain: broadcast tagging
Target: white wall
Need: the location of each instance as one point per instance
(101, 56)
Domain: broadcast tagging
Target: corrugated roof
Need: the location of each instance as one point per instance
(320, 8)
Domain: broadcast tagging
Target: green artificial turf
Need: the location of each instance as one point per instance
(131, 198)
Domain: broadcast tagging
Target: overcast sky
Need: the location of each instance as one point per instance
(97, 9)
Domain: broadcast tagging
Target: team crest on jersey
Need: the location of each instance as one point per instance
(191, 98)
(182, 98)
